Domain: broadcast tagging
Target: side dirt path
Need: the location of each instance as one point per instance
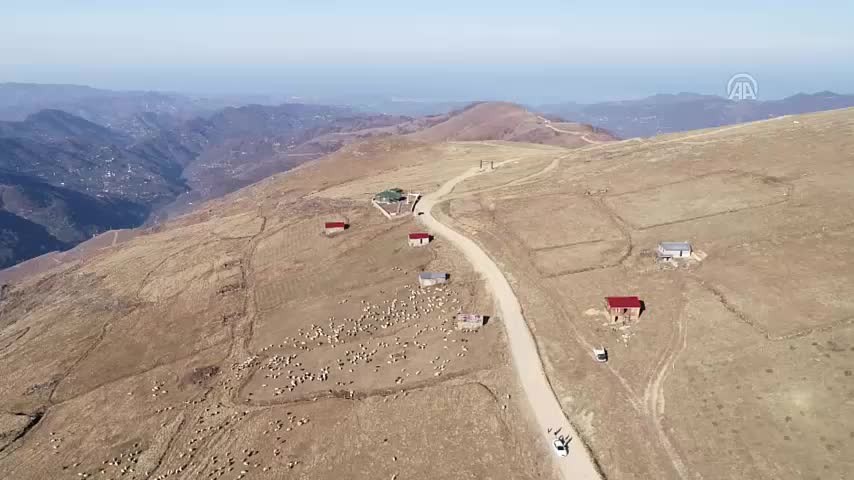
(583, 137)
(546, 409)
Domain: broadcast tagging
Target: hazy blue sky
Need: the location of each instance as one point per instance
(539, 50)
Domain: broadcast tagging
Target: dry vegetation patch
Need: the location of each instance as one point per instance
(813, 277)
(737, 367)
(680, 201)
(578, 258)
(551, 221)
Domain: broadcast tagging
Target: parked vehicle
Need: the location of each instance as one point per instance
(560, 447)
(601, 354)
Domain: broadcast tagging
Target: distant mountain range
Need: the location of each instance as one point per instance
(137, 113)
(240, 146)
(689, 111)
(76, 161)
(65, 178)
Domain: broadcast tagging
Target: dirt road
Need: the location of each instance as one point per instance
(548, 124)
(578, 465)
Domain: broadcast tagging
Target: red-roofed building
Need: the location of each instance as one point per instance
(334, 227)
(625, 309)
(418, 239)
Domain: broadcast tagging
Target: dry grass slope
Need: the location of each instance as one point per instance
(239, 342)
(510, 122)
(741, 365)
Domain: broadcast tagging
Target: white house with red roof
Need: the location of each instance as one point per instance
(625, 309)
(419, 239)
(331, 228)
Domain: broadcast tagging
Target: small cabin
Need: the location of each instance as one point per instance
(668, 250)
(419, 239)
(331, 228)
(427, 279)
(623, 309)
(469, 321)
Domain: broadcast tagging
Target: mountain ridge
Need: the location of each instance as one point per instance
(671, 113)
(249, 286)
(80, 164)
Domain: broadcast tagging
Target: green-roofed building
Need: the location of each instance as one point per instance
(390, 196)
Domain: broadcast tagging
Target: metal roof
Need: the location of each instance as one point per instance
(432, 275)
(335, 225)
(623, 302)
(393, 194)
(679, 246)
(418, 235)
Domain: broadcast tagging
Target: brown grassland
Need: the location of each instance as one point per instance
(740, 365)
(238, 341)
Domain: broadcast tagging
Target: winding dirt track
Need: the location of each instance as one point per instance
(546, 409)
(548, 124)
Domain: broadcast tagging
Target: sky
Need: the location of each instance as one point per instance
(546, 50)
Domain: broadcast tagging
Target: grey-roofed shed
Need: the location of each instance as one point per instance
(674, 250)
(426, 279)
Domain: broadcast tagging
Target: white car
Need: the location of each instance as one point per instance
(560, 447)
(600, 354)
